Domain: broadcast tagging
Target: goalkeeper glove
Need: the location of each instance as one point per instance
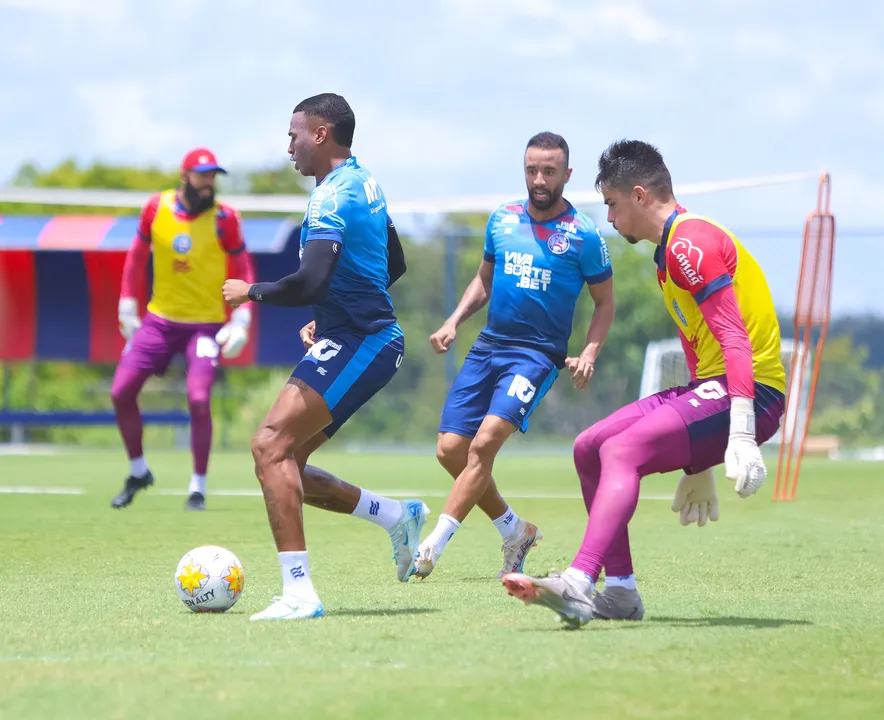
(695, 498)
(235, 334)
(127, 314)
(742, 460)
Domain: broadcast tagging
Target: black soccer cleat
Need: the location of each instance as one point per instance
(133, 485)
(196, 501)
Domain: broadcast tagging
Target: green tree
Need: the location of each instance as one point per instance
(276, 180)
(69, 174)
(848, 397)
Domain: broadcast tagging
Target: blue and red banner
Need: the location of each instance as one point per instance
(60, 282)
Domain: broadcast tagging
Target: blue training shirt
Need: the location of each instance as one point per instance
(539, 272)
(349, 206)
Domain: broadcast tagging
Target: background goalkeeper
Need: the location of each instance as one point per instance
(194, 239)
(718, 297)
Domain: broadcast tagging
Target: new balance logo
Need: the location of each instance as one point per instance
(374, 508)
(508, 519)
(297, 572)
(372, 191)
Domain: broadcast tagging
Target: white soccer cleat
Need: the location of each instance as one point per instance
(425, 561)
(617, 603)
(566, 595)
(516, 546)
(405, 536)
(290, 610)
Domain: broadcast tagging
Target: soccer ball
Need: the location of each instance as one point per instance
(209, 579)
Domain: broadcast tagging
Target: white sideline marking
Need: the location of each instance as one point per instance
(14, 490)
(25, 658)
(40, 491)
(215, 493)
(25, 450)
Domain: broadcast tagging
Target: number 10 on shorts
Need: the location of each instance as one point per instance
(521, 388)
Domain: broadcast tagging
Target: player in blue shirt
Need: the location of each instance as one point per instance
(539, 253)
(350, 255)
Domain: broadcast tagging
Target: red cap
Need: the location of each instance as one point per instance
(201, 160)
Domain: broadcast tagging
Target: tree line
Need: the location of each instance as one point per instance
(850, 396)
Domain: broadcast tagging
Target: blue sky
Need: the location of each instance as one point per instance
(447, 93)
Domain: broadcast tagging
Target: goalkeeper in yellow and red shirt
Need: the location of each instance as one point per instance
(720, 301)
(192, 237)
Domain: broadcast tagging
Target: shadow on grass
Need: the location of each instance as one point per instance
(487, 579)
(381, 612)
(728, 621)
(695, 622)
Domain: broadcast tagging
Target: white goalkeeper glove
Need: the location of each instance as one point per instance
(742, 460)
(695, 498)
(127, 313)
(235, 334)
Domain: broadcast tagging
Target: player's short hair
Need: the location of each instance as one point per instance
(627, 163)
(334, 110)
(550, 141)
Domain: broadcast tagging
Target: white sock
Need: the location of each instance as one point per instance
(443, 532)
(583, 579)
(379, 510)
(138, 467)
(197, 484)
(296, 582)
(506, 523)
(624, 581)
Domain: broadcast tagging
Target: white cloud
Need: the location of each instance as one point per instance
(628, 19)
(121, 118)
(65, 8)
(447, 92)
(757, 41)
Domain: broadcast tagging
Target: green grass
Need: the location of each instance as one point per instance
(774, 611)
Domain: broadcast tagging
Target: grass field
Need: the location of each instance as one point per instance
(774, 611)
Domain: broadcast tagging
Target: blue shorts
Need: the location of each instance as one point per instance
(502, 380)
(348, 369)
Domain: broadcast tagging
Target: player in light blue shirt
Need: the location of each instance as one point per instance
(350, 255)
(539, 254)
(350, 202)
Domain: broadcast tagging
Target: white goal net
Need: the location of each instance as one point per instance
(665, 366)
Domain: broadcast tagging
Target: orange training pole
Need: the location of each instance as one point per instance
(812, 313)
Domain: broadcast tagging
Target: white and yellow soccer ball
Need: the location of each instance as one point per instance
(209, 579)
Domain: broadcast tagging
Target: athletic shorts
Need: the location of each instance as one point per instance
(157, 341)
(347, 369)
(506, 381)
(705, 407)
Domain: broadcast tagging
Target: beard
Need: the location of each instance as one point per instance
(545, 201)
(198, 201)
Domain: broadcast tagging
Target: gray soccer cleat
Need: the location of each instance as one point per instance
(564, 594)
(516, 547)
(617, 603)
(195, 502)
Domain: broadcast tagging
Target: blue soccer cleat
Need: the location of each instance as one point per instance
(405, 536)
(290, 610)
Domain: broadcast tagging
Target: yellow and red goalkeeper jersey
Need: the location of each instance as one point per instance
(696, 258)
(189, 258)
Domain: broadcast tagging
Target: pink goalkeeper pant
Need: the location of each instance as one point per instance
(682, 428)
